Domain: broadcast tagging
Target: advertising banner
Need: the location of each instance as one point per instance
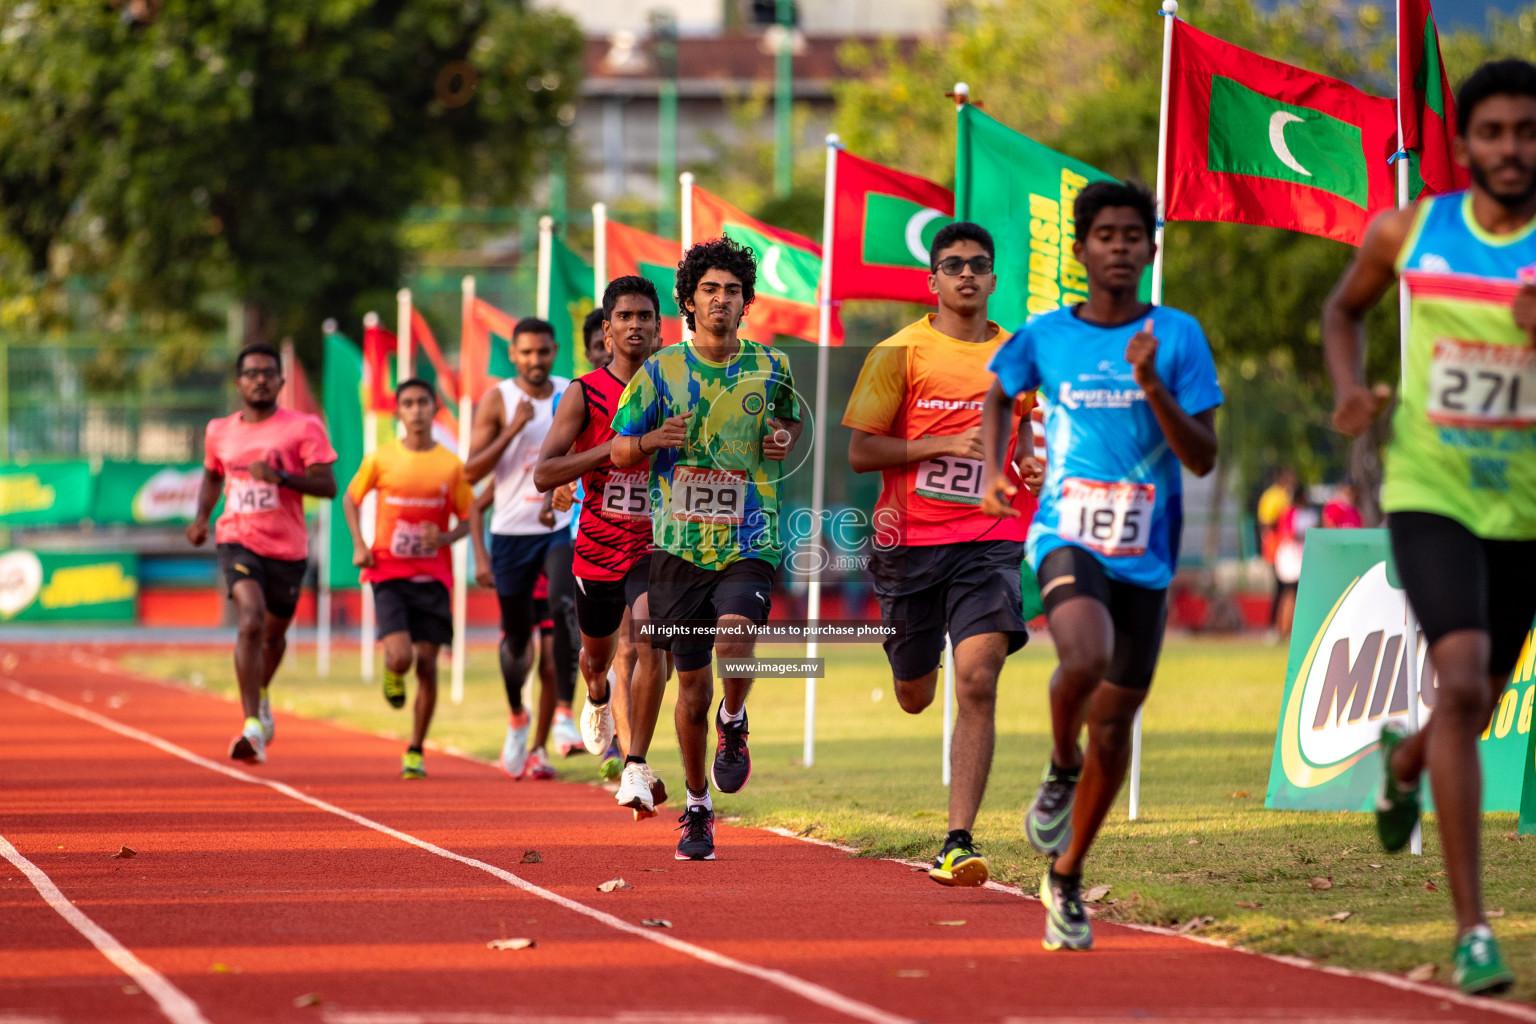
(44, 586)
(147, 493)
(45, 493)
(1352, 667)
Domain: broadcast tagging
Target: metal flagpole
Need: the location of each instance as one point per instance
(546, 256)
(819, 445)
(366, 513)
(323, 596)
(686, 180)
(402, 343)
(461, 549)
(599, 252)
(1170, 11)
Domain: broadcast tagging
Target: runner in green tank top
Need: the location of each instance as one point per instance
(1460, 489)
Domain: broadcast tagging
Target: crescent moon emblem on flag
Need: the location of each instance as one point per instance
(1277, 122)
(771, 269)
(914, 232)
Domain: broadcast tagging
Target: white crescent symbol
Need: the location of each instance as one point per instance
(1277, 123)
(771, 269)
(914, 233)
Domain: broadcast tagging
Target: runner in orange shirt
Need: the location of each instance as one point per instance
(263, 460)
(939, 564)
(409, 566)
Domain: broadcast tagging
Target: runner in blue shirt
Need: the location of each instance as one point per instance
(1132, 394)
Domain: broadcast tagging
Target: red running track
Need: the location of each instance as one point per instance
(321, 875)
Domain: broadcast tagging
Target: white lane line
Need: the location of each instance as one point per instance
(807, 990)
(473, 1017)
(173, 1002)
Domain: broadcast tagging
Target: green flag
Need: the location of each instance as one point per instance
(570, 300)
(341, 395)
(1022, 193)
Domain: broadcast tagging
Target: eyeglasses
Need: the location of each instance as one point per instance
(952, 266)
(265, 373)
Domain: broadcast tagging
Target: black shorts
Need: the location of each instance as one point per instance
(1140, 614)
(682, 593)
(600, 604)
(1457, 580)
(280, 580)
(418, 607)
(517, 560)
(965, 589)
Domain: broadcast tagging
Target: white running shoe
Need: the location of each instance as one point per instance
(564, 735)
(514, 751)
(597, 725)
(249, 746)
(635, 790)
(264, 713)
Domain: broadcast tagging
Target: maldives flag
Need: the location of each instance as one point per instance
(379, 348)
(1255, 141)
(788, 271)
(883, 223)
(1424, 99)
(485, 328)
(636, 253)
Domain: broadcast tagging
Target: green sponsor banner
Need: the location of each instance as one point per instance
(1022, 193)
(1352, 667)
(341, 396)
(899, 232)
(1254, 134)
(44, 586)
(148, 493)
(45, 493)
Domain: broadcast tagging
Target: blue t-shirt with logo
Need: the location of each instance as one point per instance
(1112, 484)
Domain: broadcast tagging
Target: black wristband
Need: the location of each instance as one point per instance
(285, 479)
(640, 443)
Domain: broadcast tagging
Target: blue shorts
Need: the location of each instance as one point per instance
(516, 561)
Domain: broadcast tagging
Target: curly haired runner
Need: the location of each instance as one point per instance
(715, 417)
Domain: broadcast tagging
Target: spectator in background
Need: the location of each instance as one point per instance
(1273, 504)
(1290, 537)
(1342, 511)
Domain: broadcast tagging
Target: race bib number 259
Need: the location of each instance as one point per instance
(1111, 518)
(628, 495)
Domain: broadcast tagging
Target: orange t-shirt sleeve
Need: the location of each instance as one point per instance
(463, 495)
(366, 479)
(879, 392)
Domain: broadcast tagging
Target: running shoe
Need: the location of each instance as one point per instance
(1397, 809)
(698, 828)
(564, 735)
(635, 790)
(250, 745)
(1048, 821)
(1480, 968)
(733, 761)
(658, 788)
(1066, 922)
(959, 864)
(264, 715)
(514, 750)
(411, 766)
(394, 688)
(538, 766)
(597, 725)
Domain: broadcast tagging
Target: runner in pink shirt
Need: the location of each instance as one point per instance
(263, 460)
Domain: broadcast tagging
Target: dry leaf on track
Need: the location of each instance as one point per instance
(1320, 883)
(909, 974)
(1375, 865)
(1431, 886)
(1249, 906)
(1194, 924)
(511, 944)
(307, 999)
(1423, 972)
(1095, 894)
(1497, 912)
(1343, 915)
(656, 922)
(223, 969)
(951, 924)
(126, 852)
(613, 885)
(656, 869)
(532, 857)
(1241, 794)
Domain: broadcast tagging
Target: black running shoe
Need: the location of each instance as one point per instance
(959, 863)
(1048, 822)
(733, 761)
(698, 828)
(1066, 922)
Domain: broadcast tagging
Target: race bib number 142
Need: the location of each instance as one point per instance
(1111, 518)
(247, 496)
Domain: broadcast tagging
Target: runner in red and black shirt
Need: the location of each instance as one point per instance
(613, 539)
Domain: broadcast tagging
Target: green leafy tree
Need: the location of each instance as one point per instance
(188, 151)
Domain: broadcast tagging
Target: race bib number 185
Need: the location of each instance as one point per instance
(708, 495)
(1481, 386)
(1111, 518)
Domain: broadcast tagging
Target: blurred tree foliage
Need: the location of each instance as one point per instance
(1082, 76)
(186, 153)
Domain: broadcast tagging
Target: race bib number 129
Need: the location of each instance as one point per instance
(1481, 386)
(1111, 518)
(708, 495)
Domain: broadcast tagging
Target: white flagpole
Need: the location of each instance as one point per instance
(1170, 10)
(461, 549)
(546, 257)
(323, 559)
(949, 707)
(599, 252)
(402, 343)
(686, 181)
(819, 442)
(366, 517)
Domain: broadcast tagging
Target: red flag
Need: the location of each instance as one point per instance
(1255, 141)
(883, 222)
(482, 321)
(1425, 102)
(379, 349)
(632, 252)
(296, 393)
(788, 271)
(425, 344)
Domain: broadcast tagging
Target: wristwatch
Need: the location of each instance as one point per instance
(285, 479)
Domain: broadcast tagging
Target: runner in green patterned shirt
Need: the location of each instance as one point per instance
(715, 417)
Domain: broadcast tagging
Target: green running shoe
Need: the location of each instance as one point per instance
(1397, 809)
(1480, 969)
(959, 864)
(1066, 922)
(1048, 821)
(411, 766)
(394, 689)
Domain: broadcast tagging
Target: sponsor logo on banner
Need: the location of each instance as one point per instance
(76, 586)
(168, 495)
(25, 492)
(21, 577)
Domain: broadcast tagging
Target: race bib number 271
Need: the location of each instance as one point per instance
(1480, 386)
(1111, 518)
